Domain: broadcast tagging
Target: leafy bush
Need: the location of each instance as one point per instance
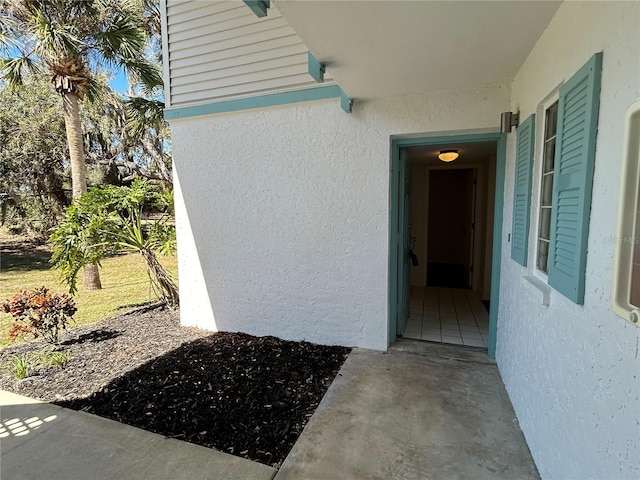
(110, 219)
(39, 313)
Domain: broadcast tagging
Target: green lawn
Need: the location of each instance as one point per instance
(125, 283)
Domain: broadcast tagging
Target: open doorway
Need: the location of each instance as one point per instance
(444, 292)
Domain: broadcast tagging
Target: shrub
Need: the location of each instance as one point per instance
(110, 219)
(39, 313)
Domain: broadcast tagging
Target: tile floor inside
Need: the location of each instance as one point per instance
(447, 315)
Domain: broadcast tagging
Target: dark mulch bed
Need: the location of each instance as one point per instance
(248, 396)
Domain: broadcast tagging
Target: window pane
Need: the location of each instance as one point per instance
(551, 121)
(546, 187)
(545, 223)
(547, 190)
(543, 255)
(549, 155)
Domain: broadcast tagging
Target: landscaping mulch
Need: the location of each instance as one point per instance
(244, 395)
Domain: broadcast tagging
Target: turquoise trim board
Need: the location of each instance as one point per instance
(345, 102)
(259, 7)
(315, 68)
(307, 95)
(394, 181)
(496, 264)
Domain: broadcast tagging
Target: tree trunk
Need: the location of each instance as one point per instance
(78, 169)
(161, 280)
(157, 157)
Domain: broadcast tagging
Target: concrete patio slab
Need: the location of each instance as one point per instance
(40, 440)
(420, 411)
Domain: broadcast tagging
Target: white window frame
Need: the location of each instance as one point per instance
(541, 118)
(627, 230)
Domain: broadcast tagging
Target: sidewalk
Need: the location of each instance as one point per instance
(41, 441)
(420, 411)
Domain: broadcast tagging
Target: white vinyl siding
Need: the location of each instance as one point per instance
(220, 50)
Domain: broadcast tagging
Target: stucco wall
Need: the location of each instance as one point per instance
(573, 371)
(282, 213)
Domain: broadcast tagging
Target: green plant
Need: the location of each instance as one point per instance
(39, 313)
(26, 364)
(21, 366)
(53, 358)
(110, 219)
(125, 276)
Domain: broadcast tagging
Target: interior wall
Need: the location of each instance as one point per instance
(485, 192)
(283, 212)
(450, 216)
(572, 371)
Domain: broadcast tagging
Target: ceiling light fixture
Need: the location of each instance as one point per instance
(448, 155)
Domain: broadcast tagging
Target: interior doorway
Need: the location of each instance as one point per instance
(443, 263)
(451, 227)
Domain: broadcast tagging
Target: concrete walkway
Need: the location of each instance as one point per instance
(420, 411)
(41, 441)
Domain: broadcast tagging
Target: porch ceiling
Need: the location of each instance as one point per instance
(470, 153)
(377, 49)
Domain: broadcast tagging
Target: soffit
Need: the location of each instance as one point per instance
(377, 49)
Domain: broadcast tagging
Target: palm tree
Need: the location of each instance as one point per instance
(71, 41)
(146, 125)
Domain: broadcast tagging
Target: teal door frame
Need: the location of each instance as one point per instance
(397, 171)
(400, 285)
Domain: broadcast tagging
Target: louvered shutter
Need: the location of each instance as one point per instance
(522, 190)
(573, 179)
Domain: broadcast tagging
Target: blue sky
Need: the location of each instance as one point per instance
(119, 81)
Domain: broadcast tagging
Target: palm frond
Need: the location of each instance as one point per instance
(95, 90)
(12, 70)
(8, 36)
(121, 39)
(152, 17)
(53, 39)
(143, 73)
(143, 113)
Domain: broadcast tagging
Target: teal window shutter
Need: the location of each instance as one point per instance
(578, 104)
(522, 190)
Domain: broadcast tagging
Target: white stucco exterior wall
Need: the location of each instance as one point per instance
(573, 371)
(282, 213)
